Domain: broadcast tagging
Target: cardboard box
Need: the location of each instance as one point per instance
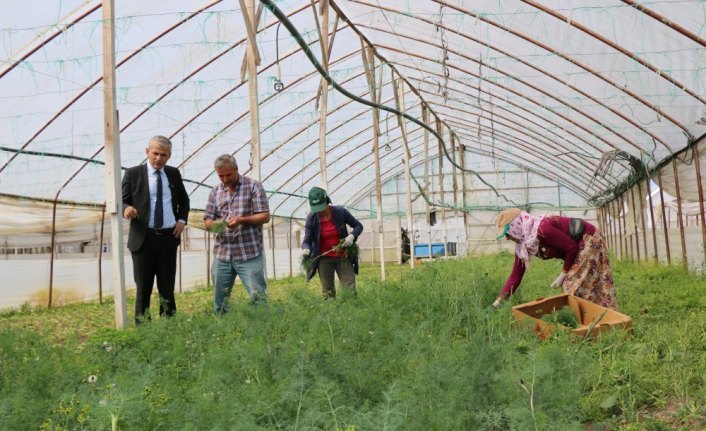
(592, 318)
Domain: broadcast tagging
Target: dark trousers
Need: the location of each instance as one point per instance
(328, 266)
(156, 257)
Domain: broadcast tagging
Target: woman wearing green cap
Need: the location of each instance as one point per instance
(325, 227)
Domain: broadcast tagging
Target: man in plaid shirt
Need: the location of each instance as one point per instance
(241, 204)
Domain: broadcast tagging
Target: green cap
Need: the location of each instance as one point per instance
(318, 199)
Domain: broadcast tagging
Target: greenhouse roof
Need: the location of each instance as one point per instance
(574, 92)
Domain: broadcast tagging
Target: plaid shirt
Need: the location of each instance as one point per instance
(245, 241)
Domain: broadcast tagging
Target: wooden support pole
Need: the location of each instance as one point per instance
(628, 241)
(702, 216)
(272, 243)
(599, 219)
(100, 257)
(399, 221)
(454, 186)
(680, 221)
(652, 217)
(113, 203)
(428, 185)
(248, 12)
(323, 112)
(244, 64)
(369, 67)
(289, 247)
(462, 154)
(207, 239)
(664, 219)
(399, 98)
(609, 227)
(618, 233)
(634, 222)
(441, 184)
(642, 221)
(619, 222)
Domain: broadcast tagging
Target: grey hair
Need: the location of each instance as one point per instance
(224, 160)
(162, 141)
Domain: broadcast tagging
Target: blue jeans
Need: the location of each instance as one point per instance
(251, 273)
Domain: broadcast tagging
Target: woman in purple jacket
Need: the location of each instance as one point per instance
(586, 272)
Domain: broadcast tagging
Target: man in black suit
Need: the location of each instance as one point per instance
(157, 205)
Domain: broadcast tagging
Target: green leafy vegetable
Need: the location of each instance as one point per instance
(218, 226)
(563, 316)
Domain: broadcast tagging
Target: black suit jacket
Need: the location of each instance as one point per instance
(136, 192)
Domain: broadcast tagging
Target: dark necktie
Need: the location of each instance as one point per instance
(158, 210)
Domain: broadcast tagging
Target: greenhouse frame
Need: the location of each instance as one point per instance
(427, 116)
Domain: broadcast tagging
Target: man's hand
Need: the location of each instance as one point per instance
(306, 252)
(559, 281)
(349, 240)
(178, 228)
(130, 212)
(233, 222)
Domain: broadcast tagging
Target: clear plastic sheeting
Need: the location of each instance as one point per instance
(551, 106)
(545, 86)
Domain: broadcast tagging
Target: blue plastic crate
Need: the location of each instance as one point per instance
(437, 249)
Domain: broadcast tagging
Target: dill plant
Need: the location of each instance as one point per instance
(421, 351)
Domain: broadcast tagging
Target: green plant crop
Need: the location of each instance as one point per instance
(422, 350)
(218, 226)
(563, 316)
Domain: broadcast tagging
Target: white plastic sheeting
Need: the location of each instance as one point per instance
(546, 86)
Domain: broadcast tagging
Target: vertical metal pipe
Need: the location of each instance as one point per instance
(652, 218)
(664, 219)
(680, 222)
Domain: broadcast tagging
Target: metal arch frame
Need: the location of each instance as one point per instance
(516, 142)
(239, 118)
(302, 149)
(665, 21)
(562, 116)
(573, 188)
(518, 92)
(45, 42)
(567, 58)
(90, 86)
(616, 47)
(177, 84)
(392, 175)
(164, 94)
(541, 45)
(531, 66)
(570, 151)
(391, 172)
